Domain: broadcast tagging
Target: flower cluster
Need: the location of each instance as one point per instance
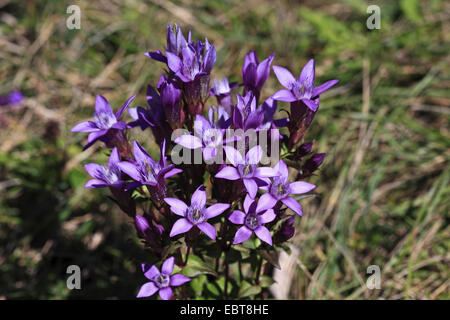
(243, 185)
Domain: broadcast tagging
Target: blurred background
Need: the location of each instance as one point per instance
(384, 186)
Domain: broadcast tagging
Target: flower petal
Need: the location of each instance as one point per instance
(189, 141)
(95, 170)
(292, 204)
(125, 105)
(93, 136)
(313, 106)
(130, 169)
(177, 206)
(266, 201)
(95, 183)
(284, 76)
(237, 217)
(323, 87)
(165, 293)
(86, 126)
(229, 173)
(267, 216)
(248, 201)
(148, 289)
(307, 75)
(114, 157)
(284, 95)
(178, 279)
(172, 173)
(264, 234)
(167, 266)
(254, 155)
(141, 155)
(180, 226)
(209, 153)
(242, 235)
(233, 156)
(173, 61)
(216, 209)
(208, 229)
(251, 187)
(102, 105)
(282, 169)
(199, 197)
(264, 172)
(300, 187)
(150, 271)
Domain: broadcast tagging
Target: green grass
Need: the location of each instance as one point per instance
(383, 195)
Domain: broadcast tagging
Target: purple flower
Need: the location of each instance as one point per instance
(146, 171)
(149, 230)
(209, 133)
(161, 281)
(280, 190)
(151, 116)
(245, 115)
(171, 102)
(104, 120)
(286, 230)
(175, 43)
(196, 214)
(194, 62)
(301, 89)
(246, 169)
(252, 220)
(312, 164)
(109, 176)
(255, 74)
(11, 99)
(222, 91)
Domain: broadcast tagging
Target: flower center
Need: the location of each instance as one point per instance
(162, 280)
(104, 120)
(251, 221)
(195, 215)
(110, 176)
(246, 169)
(280, 189)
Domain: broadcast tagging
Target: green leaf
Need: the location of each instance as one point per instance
(197, 266)
(266, 281)
(197, 284)
(248, 289)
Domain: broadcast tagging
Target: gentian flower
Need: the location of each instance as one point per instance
(302, 88)
(252, 220)
(11, 99)
(149, 230)
(146, 171)
(195, 61)
(109, 176)
(312, 164)
(254, 73)
(286, 230)
(196, 214)
(209, 133)
(246, 169)
(104, 120)
(171, 102)
(222, 91)
(280, 190)
(161, 281)
(245, 115)
(150, 116)
(175, 43)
